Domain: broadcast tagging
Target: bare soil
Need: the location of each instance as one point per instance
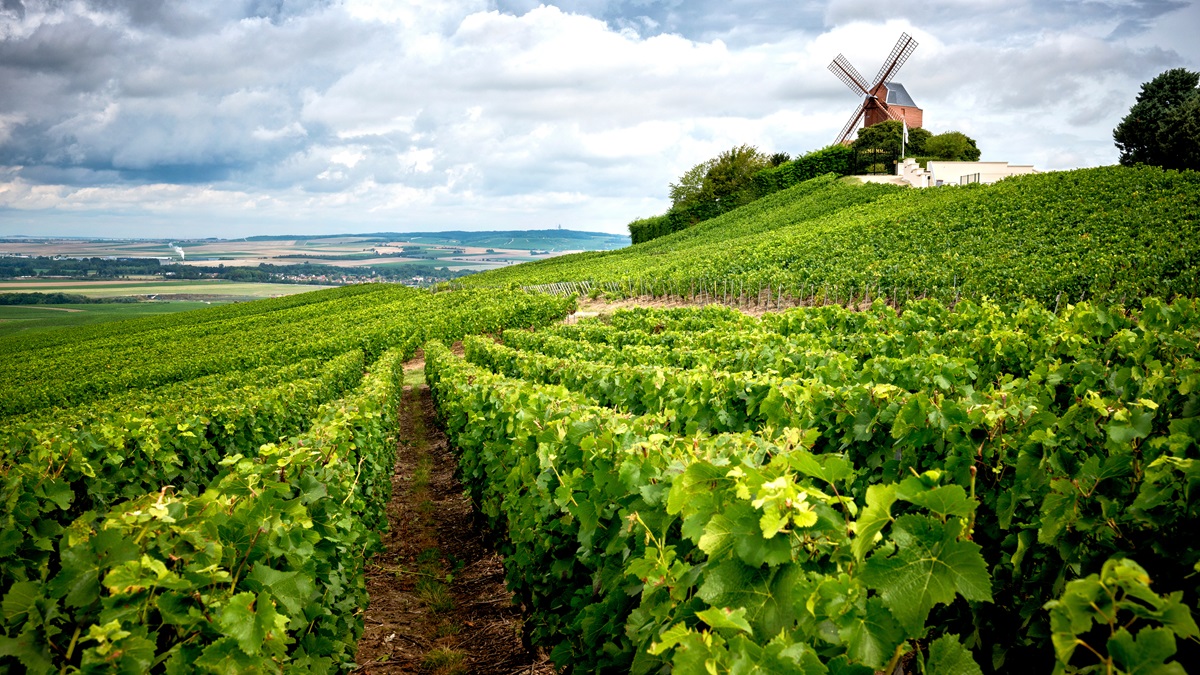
(589, 307)
(438, 600)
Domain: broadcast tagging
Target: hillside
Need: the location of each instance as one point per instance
(966, 487)
(1107, 233)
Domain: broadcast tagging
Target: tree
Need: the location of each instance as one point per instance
(733, 171)
(691, 184)
(1181, 136)
(1150, 134)
(885, 139)
(954, 146)
(719, 179)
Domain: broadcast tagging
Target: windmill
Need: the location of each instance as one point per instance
(884, 100)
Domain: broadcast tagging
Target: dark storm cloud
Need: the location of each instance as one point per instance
(155, 93)
(198, 16)
(1139, 17)
(15, 7)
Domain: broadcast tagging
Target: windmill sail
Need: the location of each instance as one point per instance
(849, 75)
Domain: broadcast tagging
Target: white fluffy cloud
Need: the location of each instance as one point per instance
(207, 118)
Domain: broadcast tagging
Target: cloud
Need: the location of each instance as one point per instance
(481, 113)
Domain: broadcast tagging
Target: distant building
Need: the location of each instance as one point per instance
(938, 172)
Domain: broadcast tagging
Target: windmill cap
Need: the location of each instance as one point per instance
(898, 95)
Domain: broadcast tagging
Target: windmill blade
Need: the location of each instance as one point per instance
(900, 53)
(849, 75)
(852, 124)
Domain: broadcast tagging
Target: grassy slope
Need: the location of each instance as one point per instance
(29, 319)
(198, 319)
(1112, 231)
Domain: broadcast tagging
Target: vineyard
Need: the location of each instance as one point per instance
(951, 431)
(1112, 234)
(824, 490)
(208, 489)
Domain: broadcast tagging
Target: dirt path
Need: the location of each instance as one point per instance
(438, 601)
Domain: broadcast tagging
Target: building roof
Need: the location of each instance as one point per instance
(898, 95)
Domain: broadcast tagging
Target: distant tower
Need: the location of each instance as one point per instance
(884, 100)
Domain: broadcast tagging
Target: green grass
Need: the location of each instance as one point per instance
(30, 319)
(444, 661)
(215, 287)
(415, 377)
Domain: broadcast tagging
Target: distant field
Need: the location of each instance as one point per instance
(426, 255)
(29, 319)
(316, 260)
(112, 289)
(343, 251)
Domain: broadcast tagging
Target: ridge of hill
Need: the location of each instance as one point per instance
(1109, 233)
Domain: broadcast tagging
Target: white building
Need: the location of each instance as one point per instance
(939, 172)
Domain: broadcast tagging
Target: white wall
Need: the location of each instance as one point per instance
(956, 173)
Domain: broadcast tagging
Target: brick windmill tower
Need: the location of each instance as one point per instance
(883, 100)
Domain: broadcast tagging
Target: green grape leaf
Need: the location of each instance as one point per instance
(740, 529)
(694, 654)
(59, 492)
(876, 514)
(669, 638)
(778, 657)
(694, 481)
(871, 639)
(928, 568)
(126, 652)
(947, 656)
(29, 649)
(829, 468)
(773, 408)
(225, 657)
(291, 589)
(249, 620)
(1137, 425)
(717, 617)
(798, 657)
(842, 666)
(947, 500)
(179, 609)
(1145, 654)
(20, 599)
(1177, 616)
(768, 593)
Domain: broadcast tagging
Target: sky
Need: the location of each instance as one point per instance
(228, 118)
